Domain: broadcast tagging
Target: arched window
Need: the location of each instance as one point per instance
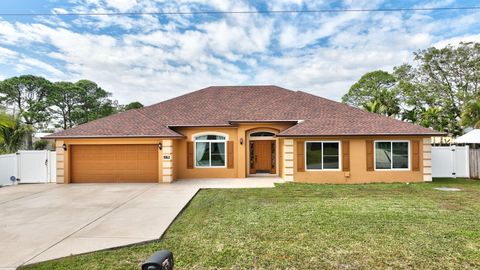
(210, 151)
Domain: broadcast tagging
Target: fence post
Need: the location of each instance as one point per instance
(467, 158)
(17, 167)
(454, 161)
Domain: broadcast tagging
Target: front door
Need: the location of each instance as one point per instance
(262, 156)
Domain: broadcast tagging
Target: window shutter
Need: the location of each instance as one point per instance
(346, 156)
(190, 155)
(230, 154)
(300, 156)
(370, 160)
(415, 155)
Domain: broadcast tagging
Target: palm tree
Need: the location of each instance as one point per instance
(375, 106)
(385, 103)
(471, 114)
(12, 133)
(411, 116)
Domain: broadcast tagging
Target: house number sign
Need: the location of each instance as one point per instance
(167, 157)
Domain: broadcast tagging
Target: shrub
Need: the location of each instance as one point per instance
(40, 145)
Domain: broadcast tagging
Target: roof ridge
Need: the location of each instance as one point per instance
(174, 98)
(210, 87)
(153, 121)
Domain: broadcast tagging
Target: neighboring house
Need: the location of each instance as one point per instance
(242, 131)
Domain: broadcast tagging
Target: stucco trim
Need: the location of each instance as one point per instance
(427, 160)
(167, 167)
(288, 160)
(60, 161)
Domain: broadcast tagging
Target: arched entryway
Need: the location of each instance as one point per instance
(262, 153)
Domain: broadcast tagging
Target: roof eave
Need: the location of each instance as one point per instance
(186, 126)
(263, 121)
(365, 134)
(114, 137)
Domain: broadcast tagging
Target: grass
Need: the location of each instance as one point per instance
(307, 226)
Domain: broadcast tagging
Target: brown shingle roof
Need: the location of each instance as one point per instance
(131, 123)
(227, 105)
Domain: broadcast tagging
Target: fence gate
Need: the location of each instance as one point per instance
(33, 166)
(450, 161)
(37, 166)
(8, 168)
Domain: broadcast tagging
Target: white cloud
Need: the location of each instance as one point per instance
(31, 62)
(151, 58)
(121, 5)
(456, 40)
(6, 53)
(59, 11)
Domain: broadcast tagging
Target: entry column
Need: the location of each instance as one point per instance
(167, 158)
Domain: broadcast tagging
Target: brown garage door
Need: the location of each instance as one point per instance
(114, 163)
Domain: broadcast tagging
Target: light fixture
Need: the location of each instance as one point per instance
(64, 146)
(160, 146)
(241, 141)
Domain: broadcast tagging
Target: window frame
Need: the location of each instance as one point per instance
(391, 149)
(322, 169)
(224, 141)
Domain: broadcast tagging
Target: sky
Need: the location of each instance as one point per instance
(150, 58)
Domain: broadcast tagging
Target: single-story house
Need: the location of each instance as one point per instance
(244, 131)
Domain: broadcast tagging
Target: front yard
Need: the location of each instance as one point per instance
(302, 226)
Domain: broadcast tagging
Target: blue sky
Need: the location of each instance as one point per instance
(153, 58)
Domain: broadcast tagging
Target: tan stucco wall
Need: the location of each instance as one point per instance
(358, 165)
(288, 159)
(60, 161)
(281, 157)
(240, 169)
(176, 167)
(427, 160)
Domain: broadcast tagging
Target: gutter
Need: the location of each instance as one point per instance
(112, 137)
(359, 135)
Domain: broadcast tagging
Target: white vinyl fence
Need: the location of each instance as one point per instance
(28, 167)
(450, 161)
(8, 168)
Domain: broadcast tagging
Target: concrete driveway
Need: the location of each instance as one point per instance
(46, 221)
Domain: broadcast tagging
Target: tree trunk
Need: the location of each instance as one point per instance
(30, 141)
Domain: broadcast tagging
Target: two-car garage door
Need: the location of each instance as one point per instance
(114, 163)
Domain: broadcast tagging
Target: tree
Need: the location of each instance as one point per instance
(133, 105)
(375, 106)
(65, 99)
(375, 91)
(435, 91)
(12, 133)
(445, 78)
(93, 103)
(29, 94)
(471, 114)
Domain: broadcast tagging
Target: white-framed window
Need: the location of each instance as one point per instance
(392, 155)
(322, 155)
(210, 151)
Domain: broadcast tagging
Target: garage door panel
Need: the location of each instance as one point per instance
(114, 163)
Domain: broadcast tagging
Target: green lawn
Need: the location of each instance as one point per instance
(305, 226)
